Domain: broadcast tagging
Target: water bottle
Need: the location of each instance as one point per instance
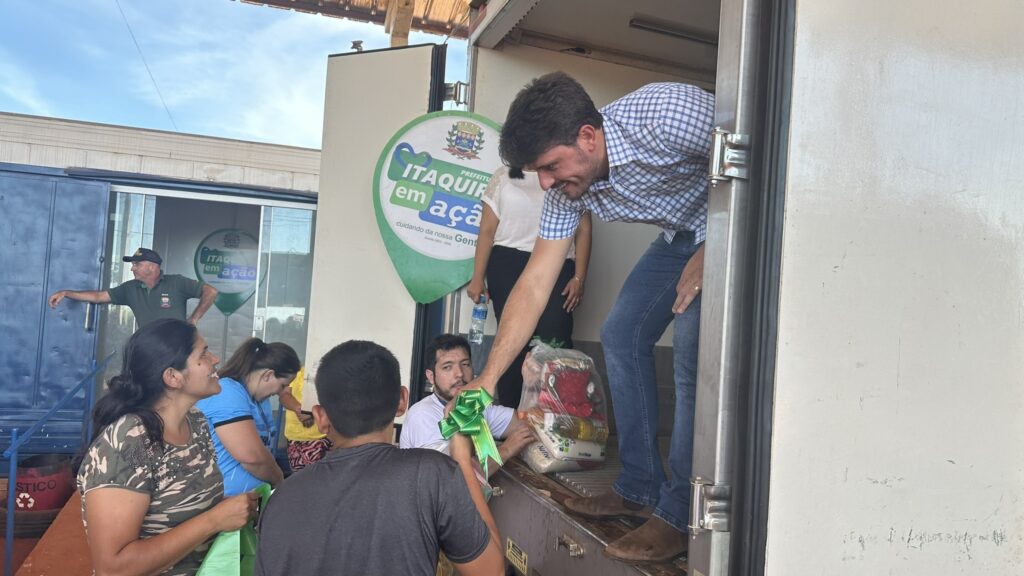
(476, 326)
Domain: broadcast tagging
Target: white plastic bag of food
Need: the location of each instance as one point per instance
(565, 403)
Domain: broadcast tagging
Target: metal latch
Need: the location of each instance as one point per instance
(729, 156)
(575, 550)
(457, 92)
(90, 317)
(709, 506)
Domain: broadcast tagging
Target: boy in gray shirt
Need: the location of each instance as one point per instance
(368, 507)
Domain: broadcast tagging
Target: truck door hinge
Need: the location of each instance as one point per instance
(457, 92)
(729, 156)
(709, 506)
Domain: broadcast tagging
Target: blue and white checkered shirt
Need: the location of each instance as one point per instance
(658, 140)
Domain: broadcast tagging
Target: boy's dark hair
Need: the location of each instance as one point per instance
(359, 385)
(444, 343)
(548, 112)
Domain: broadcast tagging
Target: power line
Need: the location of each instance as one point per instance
(465, 21)
(144, 63)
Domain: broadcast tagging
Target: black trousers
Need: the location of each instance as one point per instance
(503, 270)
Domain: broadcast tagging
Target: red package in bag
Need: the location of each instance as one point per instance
(563, 395)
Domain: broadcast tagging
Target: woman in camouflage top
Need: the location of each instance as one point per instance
(152, 498)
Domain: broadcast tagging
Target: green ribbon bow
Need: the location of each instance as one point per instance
(467, 417)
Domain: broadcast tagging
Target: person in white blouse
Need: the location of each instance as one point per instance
(508, 229)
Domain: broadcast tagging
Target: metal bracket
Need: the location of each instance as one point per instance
(709, 506)
(575, 550)
(729, 156)
(457, 92)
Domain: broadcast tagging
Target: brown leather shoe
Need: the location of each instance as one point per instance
(607, 505)
(653, 542)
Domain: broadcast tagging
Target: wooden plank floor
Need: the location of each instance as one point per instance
(63, 549)
(22, 548)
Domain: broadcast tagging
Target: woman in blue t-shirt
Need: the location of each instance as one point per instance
(240, 417)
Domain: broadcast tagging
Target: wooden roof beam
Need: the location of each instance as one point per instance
(398, 21)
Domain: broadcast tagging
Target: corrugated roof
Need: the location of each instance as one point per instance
(442, 17)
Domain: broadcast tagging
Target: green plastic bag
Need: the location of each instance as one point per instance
(234, 552)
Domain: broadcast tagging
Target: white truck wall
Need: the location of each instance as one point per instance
(356, 292)
(498, 77)
(898, 441)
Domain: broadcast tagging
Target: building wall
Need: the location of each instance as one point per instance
(58, 143)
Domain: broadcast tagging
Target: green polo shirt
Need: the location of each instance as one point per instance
(165, 300)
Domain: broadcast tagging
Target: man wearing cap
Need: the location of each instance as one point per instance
(152, 295)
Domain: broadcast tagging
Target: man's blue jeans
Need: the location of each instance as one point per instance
(637, 320)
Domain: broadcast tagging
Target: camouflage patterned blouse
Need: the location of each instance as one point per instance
(181, 481)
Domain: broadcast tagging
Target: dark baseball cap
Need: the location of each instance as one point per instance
(144, 255)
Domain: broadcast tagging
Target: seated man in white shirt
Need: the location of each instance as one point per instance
(452, 369)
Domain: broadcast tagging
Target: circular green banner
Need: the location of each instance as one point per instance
(426, 194)
(227, 260)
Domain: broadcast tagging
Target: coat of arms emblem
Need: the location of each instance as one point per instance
(465, 140)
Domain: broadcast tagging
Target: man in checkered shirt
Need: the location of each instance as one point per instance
(642, 158)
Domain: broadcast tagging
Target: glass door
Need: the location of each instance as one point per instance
(286, 270)
(286, 273)
(132, 219)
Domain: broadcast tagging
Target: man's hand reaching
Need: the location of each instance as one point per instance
(520, 436)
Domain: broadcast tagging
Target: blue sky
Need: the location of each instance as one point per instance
(224, 68)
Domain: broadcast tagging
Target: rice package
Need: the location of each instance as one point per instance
(540, 460)
(565, 403)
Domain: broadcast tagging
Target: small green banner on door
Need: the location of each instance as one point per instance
(227, 260)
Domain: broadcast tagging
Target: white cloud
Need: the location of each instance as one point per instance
(18, 85)
(251, 78)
